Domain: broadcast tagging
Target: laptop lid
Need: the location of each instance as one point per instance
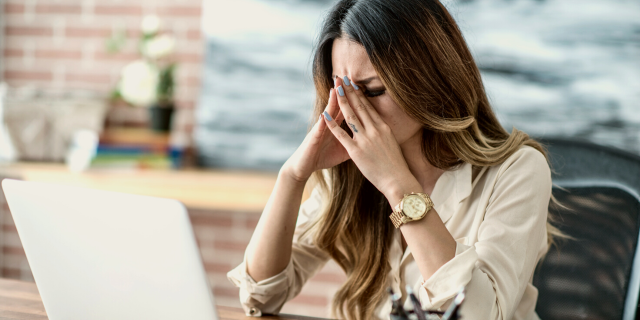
(107, 255)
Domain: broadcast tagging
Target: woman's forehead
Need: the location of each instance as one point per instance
(350, 58)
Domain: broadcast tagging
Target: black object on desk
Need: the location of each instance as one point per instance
(399, 313)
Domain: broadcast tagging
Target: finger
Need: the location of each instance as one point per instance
(316, 132)
(349, 115)
(320, 126)
(332, 106)
(343, 137)
(339, 118)
(367, 106)
(356, 104)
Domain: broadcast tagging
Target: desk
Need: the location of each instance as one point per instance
(20, 300)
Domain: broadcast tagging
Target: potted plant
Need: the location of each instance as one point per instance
(149, 81)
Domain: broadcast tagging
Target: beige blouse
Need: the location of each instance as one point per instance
(496, 214)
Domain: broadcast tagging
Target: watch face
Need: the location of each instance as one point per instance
(414, 206)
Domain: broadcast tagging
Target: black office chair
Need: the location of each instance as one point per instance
(597, 274)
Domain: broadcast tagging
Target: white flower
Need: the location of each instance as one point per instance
(139, 83)
(158, 47)
(150, 24)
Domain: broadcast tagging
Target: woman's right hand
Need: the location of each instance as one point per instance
(319, 149)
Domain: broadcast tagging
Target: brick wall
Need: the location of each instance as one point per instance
(60, 44)
(222, 237)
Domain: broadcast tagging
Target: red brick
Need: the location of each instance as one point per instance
(87, 32)
(13, 8)
(228, 245)
(88, 77)
(311, 300)
(58, 8)
(251, 223)
(13, 250)
(189, 57)
(120, 56)
(173, 11)
(13, 52)
(135, 10)
(226, 292)
(212, 221)
(187, 88)
(58, 54)
(27, 75)
(28, 31)
(96, 87)
(188, 82)
(11, 273)
(189, 127)
(217, 267)
(186, 104)
(194, 34)
(330, 277)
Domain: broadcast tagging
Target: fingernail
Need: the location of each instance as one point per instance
(334, 80)
(341, 91)
(355, 86)
(345, 79)
(327, 116)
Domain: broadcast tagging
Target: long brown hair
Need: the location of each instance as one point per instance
(422, 59)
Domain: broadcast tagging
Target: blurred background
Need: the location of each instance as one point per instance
(203, 100)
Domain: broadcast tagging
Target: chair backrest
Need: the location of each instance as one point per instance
(595, 275)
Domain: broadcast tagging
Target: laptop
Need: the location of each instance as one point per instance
(108, 255)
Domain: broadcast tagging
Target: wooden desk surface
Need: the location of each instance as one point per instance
(20, 300)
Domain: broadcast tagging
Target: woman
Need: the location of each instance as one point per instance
(403, 121)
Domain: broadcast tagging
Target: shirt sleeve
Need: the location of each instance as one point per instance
(498, 268)
(269, 295)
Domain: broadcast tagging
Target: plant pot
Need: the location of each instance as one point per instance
(160, 117)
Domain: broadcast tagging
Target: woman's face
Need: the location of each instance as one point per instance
(350, 59)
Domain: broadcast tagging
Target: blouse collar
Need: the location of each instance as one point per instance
(451, 189)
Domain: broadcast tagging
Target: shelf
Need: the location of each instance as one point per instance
(201, 189)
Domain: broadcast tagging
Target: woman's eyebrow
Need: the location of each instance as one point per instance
(367, 80)
(363, 81)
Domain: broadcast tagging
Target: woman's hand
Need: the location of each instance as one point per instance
(373, 147)
(319, 149)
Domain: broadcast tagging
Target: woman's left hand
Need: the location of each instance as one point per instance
(373, 148)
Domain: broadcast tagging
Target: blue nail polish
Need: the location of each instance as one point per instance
(345, 79)
(341, 91)
(355, 86)
(326, 115)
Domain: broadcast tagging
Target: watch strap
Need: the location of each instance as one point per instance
(398, 217)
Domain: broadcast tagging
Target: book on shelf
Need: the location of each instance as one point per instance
(133, 148)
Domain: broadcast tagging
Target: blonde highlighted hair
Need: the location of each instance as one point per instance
(422, 59)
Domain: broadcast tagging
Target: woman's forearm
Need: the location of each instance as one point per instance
(430, 242)
(269, 250)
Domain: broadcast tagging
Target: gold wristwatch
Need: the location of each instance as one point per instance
(413, 207)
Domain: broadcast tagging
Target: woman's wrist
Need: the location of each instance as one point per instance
(403, 186)
(287, 173)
